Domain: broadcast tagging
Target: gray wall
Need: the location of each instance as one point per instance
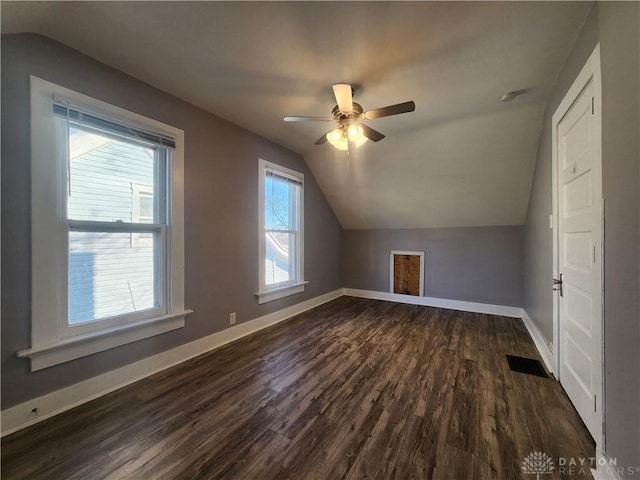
(620, 50)
(221, 215)
(538, 246)
(479, 264)
(615, 25)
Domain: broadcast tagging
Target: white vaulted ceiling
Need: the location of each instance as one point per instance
(463, 158)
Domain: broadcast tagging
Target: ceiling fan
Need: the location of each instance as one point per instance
(349, 116)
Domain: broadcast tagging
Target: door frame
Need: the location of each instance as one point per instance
(407, 252)
(590, 73)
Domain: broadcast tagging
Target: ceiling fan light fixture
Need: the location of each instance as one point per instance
(361, 141)
(337, 138)
(340, 137)
(348, 115)
(356, 135)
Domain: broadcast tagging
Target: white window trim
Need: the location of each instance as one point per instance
(280, 292)
(48, 344)
(267, 294)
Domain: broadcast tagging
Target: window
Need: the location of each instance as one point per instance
(281, 205)
(107, 226)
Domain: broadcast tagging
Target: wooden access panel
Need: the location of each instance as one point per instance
(406, 274)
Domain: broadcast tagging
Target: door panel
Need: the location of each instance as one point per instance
(578, 362)
(578, 308)
(578, 137)
(577, 249)
(577, 194)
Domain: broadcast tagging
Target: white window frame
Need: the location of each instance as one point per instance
(138, 191)
(268, 293)
(51, 340)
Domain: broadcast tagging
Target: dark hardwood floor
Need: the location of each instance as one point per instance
(354, 389)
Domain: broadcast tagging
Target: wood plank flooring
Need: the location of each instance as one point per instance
(354, 389)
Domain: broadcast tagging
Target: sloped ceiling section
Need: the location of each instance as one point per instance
(463, 158)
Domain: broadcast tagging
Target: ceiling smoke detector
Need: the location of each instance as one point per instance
(507, 97)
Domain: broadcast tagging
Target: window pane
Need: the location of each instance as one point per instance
(279, 261)
(108, 277)
(103, 173)
(146, 208)
(280, 204)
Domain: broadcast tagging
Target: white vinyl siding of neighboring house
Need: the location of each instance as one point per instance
(109, 275)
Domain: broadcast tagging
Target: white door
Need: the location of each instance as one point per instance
(579, 253)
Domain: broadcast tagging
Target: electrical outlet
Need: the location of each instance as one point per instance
(232, 318)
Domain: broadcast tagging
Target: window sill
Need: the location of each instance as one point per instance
(67, 349)
(276, 293)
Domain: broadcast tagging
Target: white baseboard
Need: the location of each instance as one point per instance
(20, 416)
(540, 341)
(506, 311)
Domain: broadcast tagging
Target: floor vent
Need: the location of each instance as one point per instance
(526, 365)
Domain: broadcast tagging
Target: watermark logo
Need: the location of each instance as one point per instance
(541, 463)
(538, 463)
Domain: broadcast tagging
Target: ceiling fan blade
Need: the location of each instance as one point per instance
(405, 107)
(343, 94)
(371, 134)
(308, 119)
(321, 140)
